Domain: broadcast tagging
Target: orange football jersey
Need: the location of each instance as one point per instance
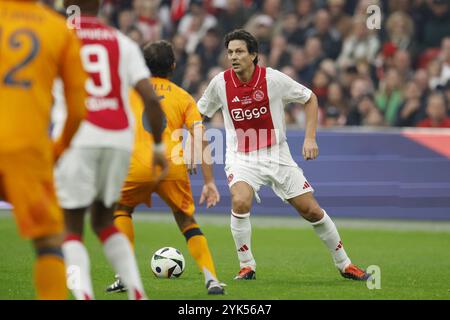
(35, 47)
(180, 110)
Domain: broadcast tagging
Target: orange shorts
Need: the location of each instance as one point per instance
(175, 189)
(26, 181)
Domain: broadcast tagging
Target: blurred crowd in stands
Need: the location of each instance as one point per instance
(398, 75)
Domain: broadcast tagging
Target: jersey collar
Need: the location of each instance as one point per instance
(253, 81)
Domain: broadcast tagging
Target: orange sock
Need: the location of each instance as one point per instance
(50, 277)
(124, 222)
(199, 250)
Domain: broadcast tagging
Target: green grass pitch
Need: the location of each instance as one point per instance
(292, 262)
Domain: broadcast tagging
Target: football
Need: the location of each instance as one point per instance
(167, 262)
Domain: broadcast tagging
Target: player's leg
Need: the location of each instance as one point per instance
(76, 255)
(132, 194)
(75, 180)
(123, 220)
(199, 250)
(308, 208)
(117, 248)
(27, 183)
(241, 229)
(176, 193)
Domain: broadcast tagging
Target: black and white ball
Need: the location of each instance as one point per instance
(167, 262)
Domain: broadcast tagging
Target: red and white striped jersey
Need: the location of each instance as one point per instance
(253, 112)
(114, 63)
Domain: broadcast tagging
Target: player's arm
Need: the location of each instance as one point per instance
(138, 74)
(74, 77)
(310, 148)
(155, 117)
(295, 92)
(202, 152)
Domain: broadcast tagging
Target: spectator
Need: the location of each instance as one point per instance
(233, 17)
(305, 17)
(181, 56)
(400, 31)
(445, 58)
(409, 111)
(262, 27)
(339, 19)
(336, 98)
(326, 33)
(320, 85)
(209, 50)
(289, 29)
(362, 44)
(299, 61)
(126, 19)
(135, 34)
(402, 63)
(279, 56)
(314, 52)
(331, 118)
(389, 96)
(148, 22)
(434, 23)
(365, 112)
(195, 24)
(437, 112)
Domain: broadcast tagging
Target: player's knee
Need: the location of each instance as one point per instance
(50, 241)
(100, 224)
(312, 213)
(241, 204)
(183, 220)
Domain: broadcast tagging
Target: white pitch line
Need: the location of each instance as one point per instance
(294, 222)
(299, 223)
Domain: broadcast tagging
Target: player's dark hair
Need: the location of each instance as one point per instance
(159, 58)
(250, 41)
(91, 7)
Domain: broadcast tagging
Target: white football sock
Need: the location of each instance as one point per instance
(241, 229)
(78, 269)
(118, 251)
(208, 275)
(326, 230)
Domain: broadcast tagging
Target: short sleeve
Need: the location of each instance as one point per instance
(209, 103)
(192, 115)
(136, 68)
(71, 71)
(292, 91)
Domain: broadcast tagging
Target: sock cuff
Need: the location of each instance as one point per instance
(240, 215)
(321, 221)
(73, 237)
(50, 251)
(122, 213)
(107, 232)
(189, 227)
(192, 232)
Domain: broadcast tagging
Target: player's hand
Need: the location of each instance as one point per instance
(210, 194)
(159, 160)
(191, 168)
(310, 149)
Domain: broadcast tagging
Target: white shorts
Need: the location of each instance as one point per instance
(286, 181)
(85, 175)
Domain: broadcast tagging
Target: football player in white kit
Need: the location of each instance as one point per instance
(91, 173)
(252, 100)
